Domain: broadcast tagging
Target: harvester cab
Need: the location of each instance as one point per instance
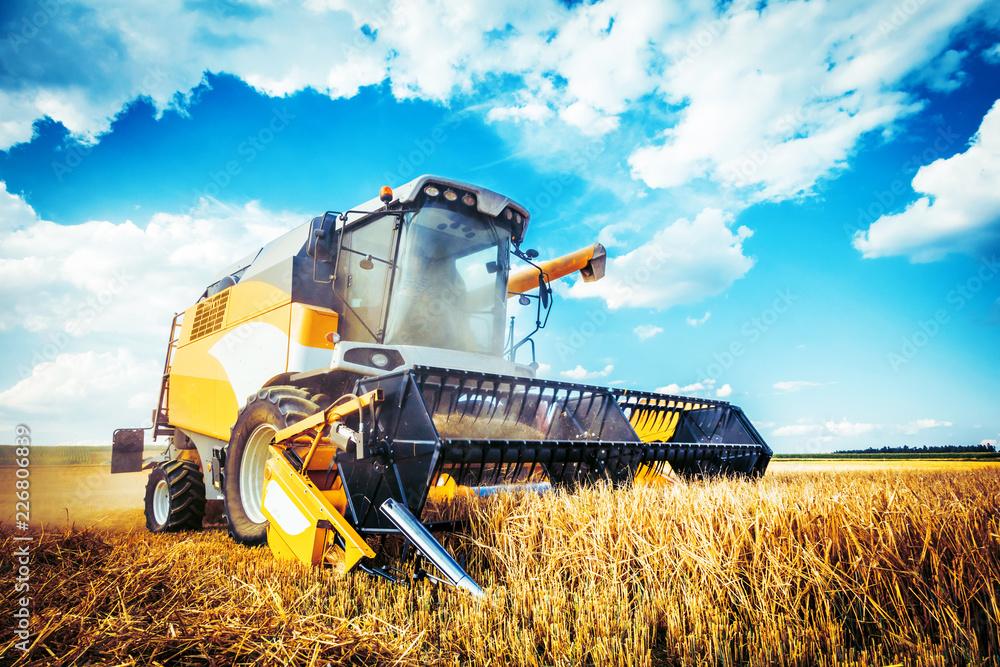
(325, 386)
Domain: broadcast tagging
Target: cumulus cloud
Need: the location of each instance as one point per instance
(960, 209)
(70, 381)
(945, 74)
(77, 287)
(529, 112)
(775, 99)
(581, 373)
(914, 427)
(827, 430)
(647, 331)
(992, 54)
(830, 429)
(697, 389)
(768, 98)
(697, 322)
(685, 262)
(75, 279)
(80, 398)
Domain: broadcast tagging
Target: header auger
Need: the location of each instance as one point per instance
(326, 385)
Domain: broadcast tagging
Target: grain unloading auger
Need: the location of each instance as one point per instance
(370, 346)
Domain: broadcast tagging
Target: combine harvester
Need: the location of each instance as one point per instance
(324, 385)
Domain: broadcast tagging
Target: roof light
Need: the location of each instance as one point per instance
(431, 191)
(450, 195)
(385, 194)
(509, 214)
(469, 200)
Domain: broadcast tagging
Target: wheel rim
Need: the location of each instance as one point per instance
(161, 502)
(252, 471)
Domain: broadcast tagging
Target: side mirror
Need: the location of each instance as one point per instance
(319, 246)
(543, 291)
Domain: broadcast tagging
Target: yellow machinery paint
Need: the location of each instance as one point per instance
(302, 519)
(304, 515)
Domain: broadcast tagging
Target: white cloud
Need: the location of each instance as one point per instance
(646, 331)
(534, 112)
(960, 209)
(685, 262)
(771, 99)
(80, 398)
(15, 213)
(827, 430)
(724, 391)
(914, 427)
(581, 373)
(992, 54)
(697, 322)
(609, 234)
(775, 99)
(844, 429)
(95, 276)
(796, 385)
(70, 382)
(702, 388)
(587, 119)
(77, 287)
(945, 75)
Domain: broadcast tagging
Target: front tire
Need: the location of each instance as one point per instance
(266, 413)
(175, 497)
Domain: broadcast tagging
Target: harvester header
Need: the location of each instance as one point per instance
(325, 386)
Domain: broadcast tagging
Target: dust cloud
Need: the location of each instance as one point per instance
(80, 495)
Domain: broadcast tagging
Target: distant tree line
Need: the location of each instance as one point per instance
(906, 449)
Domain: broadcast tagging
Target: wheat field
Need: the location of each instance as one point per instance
(813, 565)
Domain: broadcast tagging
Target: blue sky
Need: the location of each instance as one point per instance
(799, 200)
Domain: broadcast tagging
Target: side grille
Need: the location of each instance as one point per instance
(210, 315)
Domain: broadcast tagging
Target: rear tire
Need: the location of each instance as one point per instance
(175, 497)
(266, 413)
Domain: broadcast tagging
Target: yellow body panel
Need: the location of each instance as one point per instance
(295, 510)
(194, 375)
(248, 300)
(202, 397)
(311, 324)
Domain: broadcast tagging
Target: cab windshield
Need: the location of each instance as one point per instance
(450, 288)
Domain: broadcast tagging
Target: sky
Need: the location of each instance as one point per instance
(799, 200)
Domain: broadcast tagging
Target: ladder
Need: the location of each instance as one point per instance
(161, 421)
